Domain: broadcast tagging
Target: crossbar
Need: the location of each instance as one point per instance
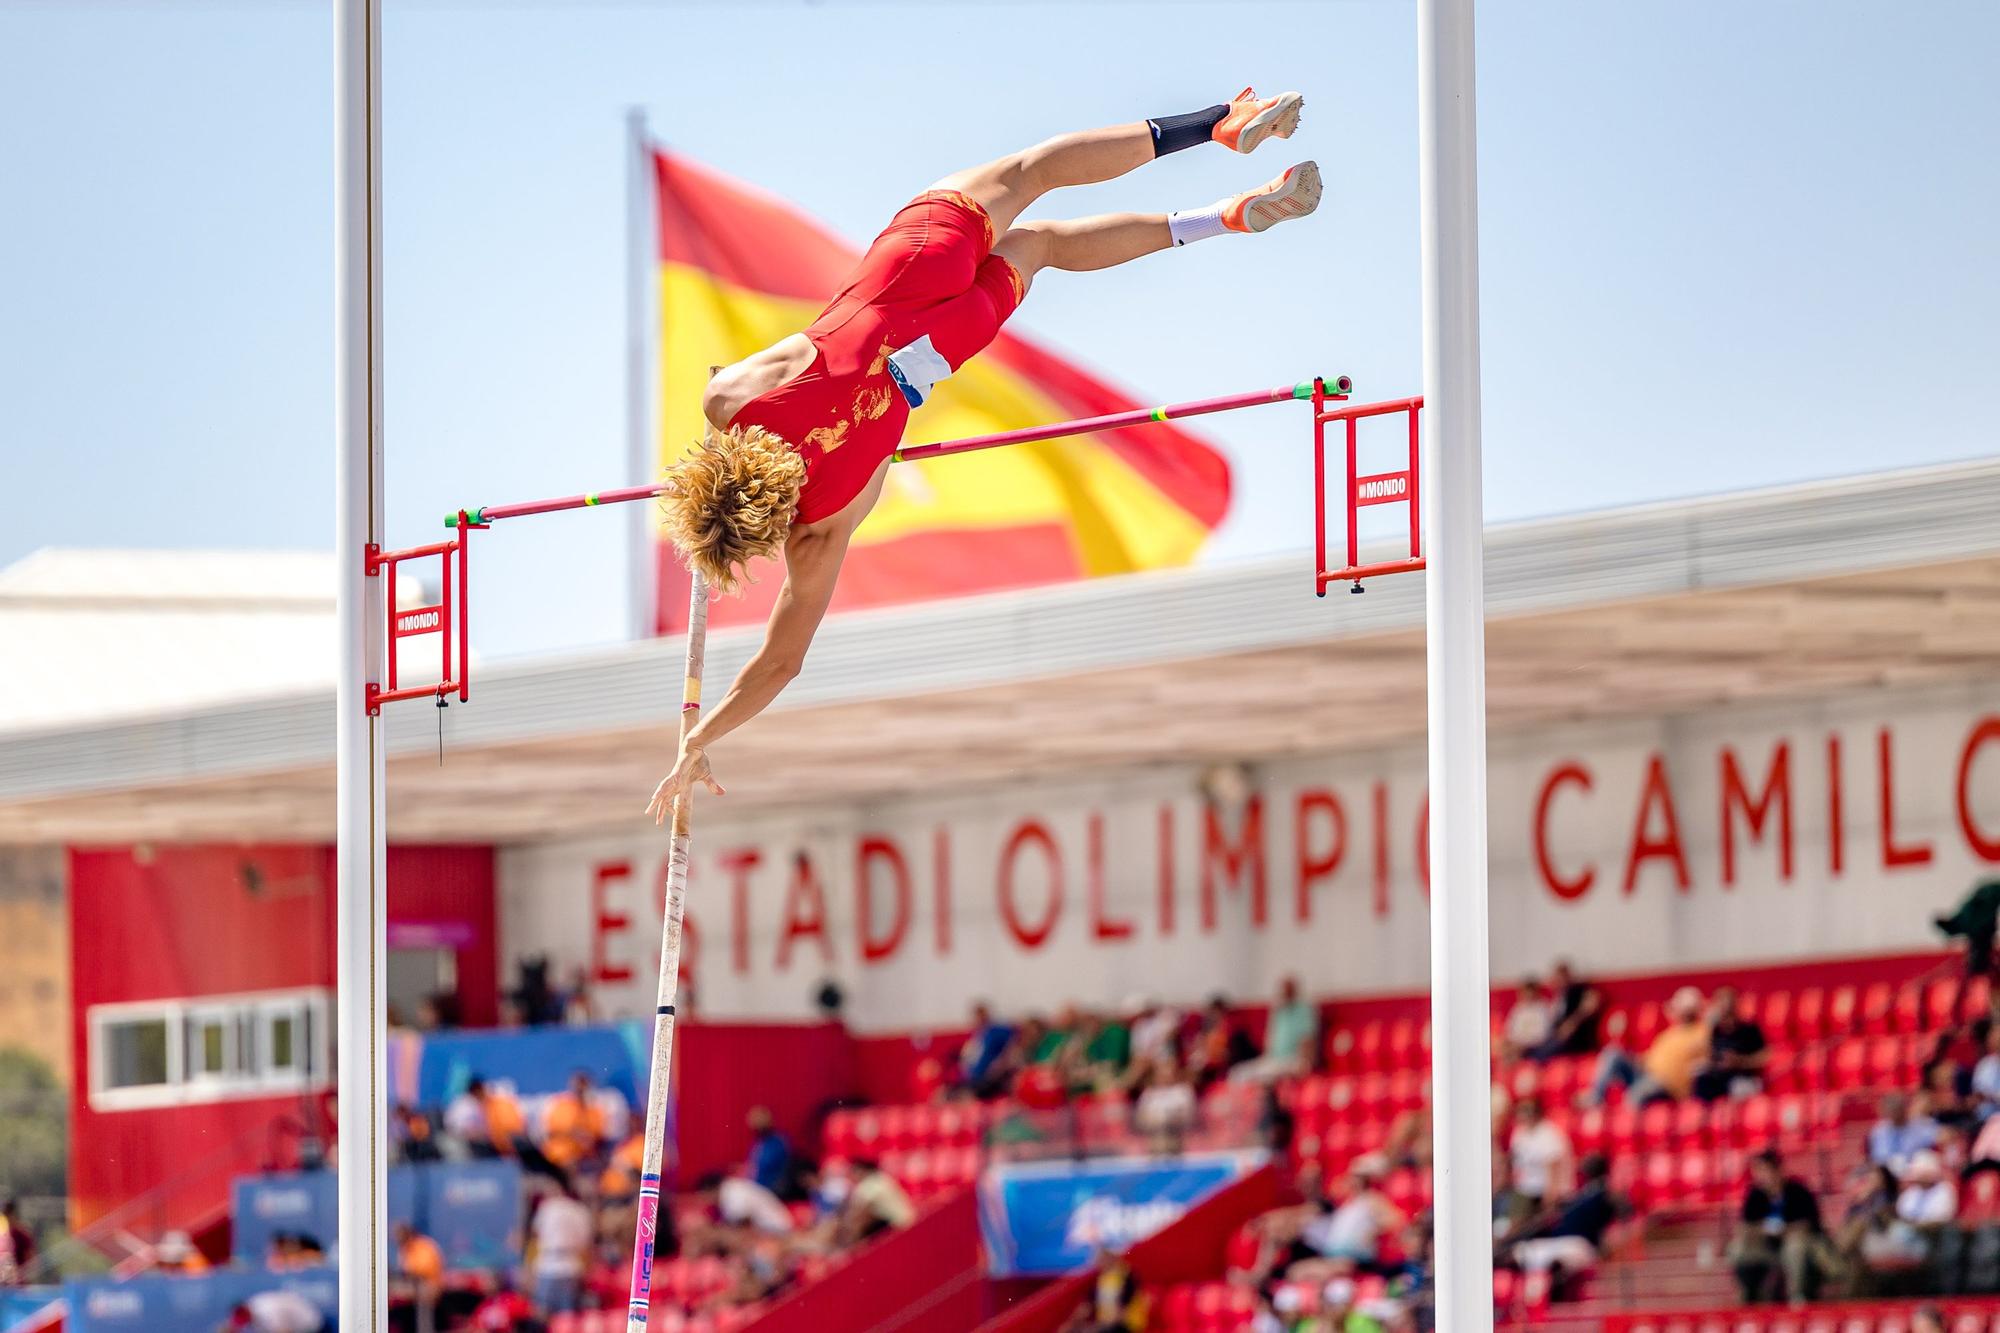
(1338, 387)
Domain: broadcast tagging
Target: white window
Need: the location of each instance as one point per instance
(217, 1048)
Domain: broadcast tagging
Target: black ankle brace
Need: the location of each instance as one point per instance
(1173, 133)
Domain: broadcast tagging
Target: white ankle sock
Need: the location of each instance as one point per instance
(1197, 225)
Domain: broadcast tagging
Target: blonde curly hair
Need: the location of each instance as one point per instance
(732, 502)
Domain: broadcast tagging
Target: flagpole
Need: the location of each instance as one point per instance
(643, 612)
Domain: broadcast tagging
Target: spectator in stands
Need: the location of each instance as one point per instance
(1510, 1206)
(1117, 1303)
(1290, 1038)
(176, 1254)
(1899, 1135)
(1167, 1106)
(1097, 1053)
(770, 1163)
(1974, 921)
(1544, 1163)
(505, 1311)
(875, 1203)
(574, 1126)
(1567, 1238)
(1348, 1237)
(574, 999)
(1579, 1006)
(1667, 1068)
(278, 1311)
(563, 1231)
(1409, 1139)
(414, 1139)
(1984, 1155)
(1279, 1310)
(1927, 1319)
(1737, 1052)
(741, 1202)
(1219, 1044)
(1531, 1023)
(1778, 1231)
(1156, 1030)
(1942, 1100)
(1986, 1074)
(980, 1068)
(1929, 1200)
(485, 1119)
(17, 1244)
(421, 1264)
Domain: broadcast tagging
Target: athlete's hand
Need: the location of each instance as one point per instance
(690, 768)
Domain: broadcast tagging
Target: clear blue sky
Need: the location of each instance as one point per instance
(1724, 245)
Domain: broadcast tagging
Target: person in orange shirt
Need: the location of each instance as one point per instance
(422, 1264)
(1668, 1068)
(573, 1125)
(176, 1254)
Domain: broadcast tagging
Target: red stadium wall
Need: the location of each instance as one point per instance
(795, 1070)
(185, 922)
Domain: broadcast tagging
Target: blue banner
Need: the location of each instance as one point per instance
(161, 1304)
(534, 1061)
(1044, 1218)
(471, 1209)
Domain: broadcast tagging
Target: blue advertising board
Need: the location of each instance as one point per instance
(533, 1061)
(471, 1209)
(1043, 1218)
(160, 1304)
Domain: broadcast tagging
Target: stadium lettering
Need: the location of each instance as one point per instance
(1031, 935)
(1894, 855)
(805, 912)
(1757, 810)
(1103, 926)
(1984, 845)
(1314, 866)
(1656, 797)
(605, 923)
(1247, 854)
(1572, 887)
(873, 848)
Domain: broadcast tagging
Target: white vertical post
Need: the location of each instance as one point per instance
(641, 465)
(1456, 658)
(361, 857)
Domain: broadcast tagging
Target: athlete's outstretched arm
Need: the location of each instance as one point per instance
(812, 568)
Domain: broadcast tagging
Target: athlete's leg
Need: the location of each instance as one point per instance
(1007, 186)
(1082, 245)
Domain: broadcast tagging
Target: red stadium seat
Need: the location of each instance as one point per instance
(1756, 1123)
(1977, 1000)
(1908, 1014)
(1809, 1014)
(1588, 1135)
(1885, 1062)
(1843, 1011)
(1696, 1180)
(1656, 1125)
(1371, 1097)
(1646, 1024)
(1848, 1070)
(1370, 1046)
(1878, 1009)
(921, 1124)
(1781, 1070)
(1941, 1004)
(1775, 1017)
(1405, 1051)
(1340, 1050)
(566, 1323)
(1177, 1306)
(896, 1127)
(1621, 1131)
(1407, 1091)
(1691, 1123)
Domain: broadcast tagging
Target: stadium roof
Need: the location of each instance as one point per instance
(1886, 579)
(94, 635)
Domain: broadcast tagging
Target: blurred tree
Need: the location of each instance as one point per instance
(34, 1127)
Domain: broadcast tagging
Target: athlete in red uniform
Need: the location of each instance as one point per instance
(802, 432)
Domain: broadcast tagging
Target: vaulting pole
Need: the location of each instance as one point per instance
(1461, 1102)
(361, 901)
(670, 968)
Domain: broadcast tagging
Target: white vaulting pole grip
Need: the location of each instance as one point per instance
(670, 968)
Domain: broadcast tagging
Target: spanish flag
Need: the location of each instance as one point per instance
(740, 269)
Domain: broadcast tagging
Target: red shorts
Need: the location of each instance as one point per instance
(932, 272)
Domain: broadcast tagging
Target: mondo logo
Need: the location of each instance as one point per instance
(1382, 488)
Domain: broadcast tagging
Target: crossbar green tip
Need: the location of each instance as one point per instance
(472, 516)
